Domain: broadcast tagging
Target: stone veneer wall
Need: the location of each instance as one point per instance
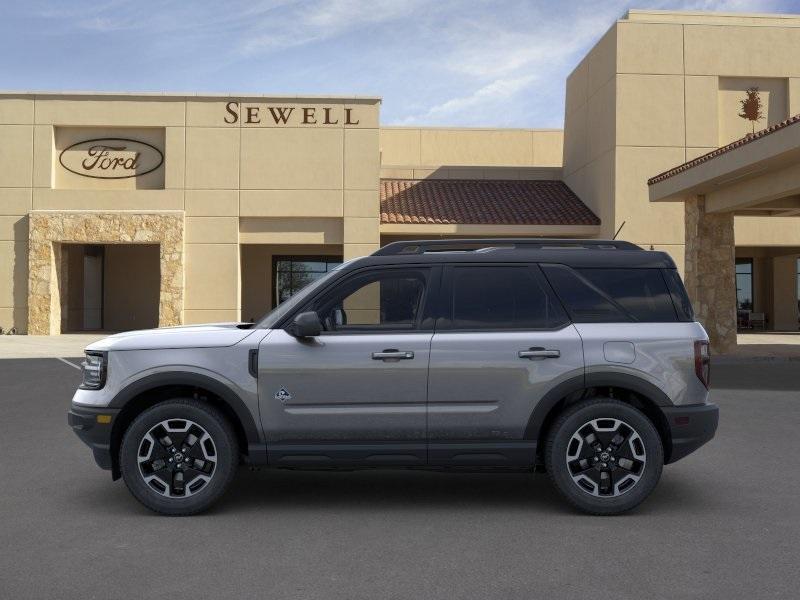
(47, 271)
(710, 272)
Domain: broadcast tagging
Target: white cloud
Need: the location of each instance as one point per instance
(310, 22)
(496, 91)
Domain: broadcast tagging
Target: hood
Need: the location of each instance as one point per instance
(211, 335)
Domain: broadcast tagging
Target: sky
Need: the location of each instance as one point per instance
(434, 62)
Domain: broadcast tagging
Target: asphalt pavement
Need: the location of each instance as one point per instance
(723, 523)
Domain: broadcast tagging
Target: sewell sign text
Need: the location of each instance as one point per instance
(272, 116)
(111, 158)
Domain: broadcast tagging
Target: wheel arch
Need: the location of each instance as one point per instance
(153, 389)
(629, 389)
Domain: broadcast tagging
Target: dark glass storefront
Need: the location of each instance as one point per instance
(292, 273)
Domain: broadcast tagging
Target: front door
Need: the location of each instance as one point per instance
(503, 343)
(357, 393)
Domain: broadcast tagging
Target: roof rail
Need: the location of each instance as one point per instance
(472, 245)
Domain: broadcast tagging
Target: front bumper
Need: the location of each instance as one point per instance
(690, 427)
(93, 426)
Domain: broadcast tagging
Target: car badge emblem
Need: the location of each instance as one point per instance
(283, 395)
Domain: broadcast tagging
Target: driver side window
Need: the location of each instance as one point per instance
(389, 299)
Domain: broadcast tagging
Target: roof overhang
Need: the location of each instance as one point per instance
(758, 174)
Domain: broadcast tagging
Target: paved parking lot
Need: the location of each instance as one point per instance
(723, 523)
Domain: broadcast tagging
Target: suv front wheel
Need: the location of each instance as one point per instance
(178, 457)
(604, 456)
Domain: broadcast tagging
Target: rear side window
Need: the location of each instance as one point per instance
(641, 292)
(679, 296)
(584, 301)
(503, 298)
(615, 295)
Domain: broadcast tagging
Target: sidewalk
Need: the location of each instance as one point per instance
(66, 345)
(766, 346)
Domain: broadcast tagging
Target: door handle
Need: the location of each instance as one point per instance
(392, 354)
(539, 353)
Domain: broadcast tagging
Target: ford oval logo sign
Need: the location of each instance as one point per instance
(111, 158)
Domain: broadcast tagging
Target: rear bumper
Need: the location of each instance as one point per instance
(95, 434)
(690, 427)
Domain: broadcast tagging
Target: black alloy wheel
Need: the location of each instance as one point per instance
(179, 456)
(604, 456)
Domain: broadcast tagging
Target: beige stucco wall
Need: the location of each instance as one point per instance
(225, 177)
(470, 153)
(661, 88)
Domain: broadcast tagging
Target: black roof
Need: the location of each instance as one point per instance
(574, 253)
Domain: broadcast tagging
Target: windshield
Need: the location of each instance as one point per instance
(274, 316)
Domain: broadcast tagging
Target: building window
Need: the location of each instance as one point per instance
(290, 274)
(744, 284)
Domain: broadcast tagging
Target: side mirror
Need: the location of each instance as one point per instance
(305, 325)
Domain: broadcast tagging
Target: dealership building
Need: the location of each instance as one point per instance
(123, 211)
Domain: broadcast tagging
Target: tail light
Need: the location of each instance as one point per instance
(702, 362)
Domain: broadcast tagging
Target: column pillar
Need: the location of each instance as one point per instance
(710, 272)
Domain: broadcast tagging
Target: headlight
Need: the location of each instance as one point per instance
(94, 371)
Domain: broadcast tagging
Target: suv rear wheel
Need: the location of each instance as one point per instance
(179, 457)
(604, 456)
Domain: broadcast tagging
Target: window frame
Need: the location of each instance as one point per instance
(745, 260)
(425, 316)
(444, 322)
(326, 258)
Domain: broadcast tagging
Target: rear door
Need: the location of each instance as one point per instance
(503, 341)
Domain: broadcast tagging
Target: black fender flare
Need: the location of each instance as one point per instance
(583, 382)
(631, 382)
(188, 378)
(548, 402)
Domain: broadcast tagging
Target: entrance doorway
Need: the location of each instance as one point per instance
(111, 287)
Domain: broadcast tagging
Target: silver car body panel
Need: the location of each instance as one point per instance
(481, 389)
(663, 355)
(330, 388)
(226, 364)
(212, 335)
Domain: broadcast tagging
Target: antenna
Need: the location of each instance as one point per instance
(618, 230)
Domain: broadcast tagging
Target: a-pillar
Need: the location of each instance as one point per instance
(710, 272)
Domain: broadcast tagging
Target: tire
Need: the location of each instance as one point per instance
(188, 437)
(575, 462)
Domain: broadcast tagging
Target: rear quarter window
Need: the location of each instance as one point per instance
(679, 296)
(608, 295)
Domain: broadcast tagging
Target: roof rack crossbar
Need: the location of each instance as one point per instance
(423, 246)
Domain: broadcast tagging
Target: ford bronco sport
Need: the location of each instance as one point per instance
(581, 358)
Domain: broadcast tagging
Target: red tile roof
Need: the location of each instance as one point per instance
(482, 201)
(750, 137)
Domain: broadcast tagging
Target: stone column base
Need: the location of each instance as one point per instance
(710, 275)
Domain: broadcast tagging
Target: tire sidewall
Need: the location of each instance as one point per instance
(576, 417)
(221, 434)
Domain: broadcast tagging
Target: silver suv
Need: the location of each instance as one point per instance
(579, 358)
